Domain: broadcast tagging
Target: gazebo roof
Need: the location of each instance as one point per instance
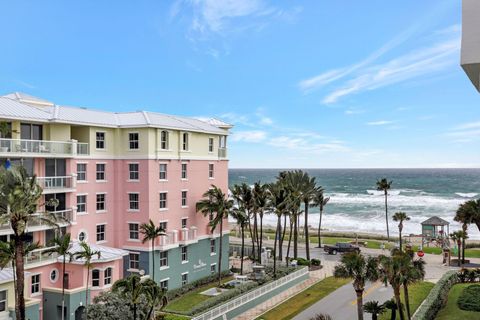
(435, 221)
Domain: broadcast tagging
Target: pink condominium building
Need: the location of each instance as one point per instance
(111, 172)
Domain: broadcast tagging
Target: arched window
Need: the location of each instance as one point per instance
(95, 278)
(107, 276)
(164, 140)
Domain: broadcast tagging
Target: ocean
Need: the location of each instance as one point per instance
(356, 205)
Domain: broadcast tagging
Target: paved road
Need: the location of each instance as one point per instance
(341, 304)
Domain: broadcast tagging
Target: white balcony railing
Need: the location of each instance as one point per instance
(40, 255)
(56, 183)
(188, 234)
(63, 217)
(169, 239)
(23, 147)
(222, 152)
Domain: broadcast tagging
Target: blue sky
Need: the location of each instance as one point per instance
(306, 83)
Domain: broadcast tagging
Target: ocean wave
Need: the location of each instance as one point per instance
(466, 195)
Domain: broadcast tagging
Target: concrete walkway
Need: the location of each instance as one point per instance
(315, 276)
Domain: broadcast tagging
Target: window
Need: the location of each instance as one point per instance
(163, 259)
(184, 198)
(101, 201)
(210, 144)
(133, 231)
(95, 278)
(164, 140)
(100, 171)
(134, 260)
(54, 275)
(107, 276)
(100, 140)
(223, 142)
(82, 236)
(163, 226)
(163, 171)
(35, 284)
(133, 171)
(184, 171)
(184, 278)
(101, 232)
(81, 172)
(185, 141)
(133, 140)
(184, 254)
(82, 204)
(164, 284)
(213, 268)
(212, 246)
(3, 300)
(184, 223)
(133, 201)
(163, 200)
(211, 170)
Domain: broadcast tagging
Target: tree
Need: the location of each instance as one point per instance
(392, 306)
(86, 254)
(278, 204)
(131, 288)
(412, 272)
(458, 237)
(217, 206)
(374, 308)
(244, 197)
(294, 184)
(110, 305)
(400, 217)
(241, 219)
(61, 245)
(154, 295)
(260, 196)
(385, 185)
(150, 233)
(467, 213)
(308, 191)
(355, 266)
(19, 199)
(320, 201)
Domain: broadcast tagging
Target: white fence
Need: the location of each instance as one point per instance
(250, 296)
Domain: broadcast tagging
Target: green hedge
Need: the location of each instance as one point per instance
(172, 294)
(437, 297)
(469, 299)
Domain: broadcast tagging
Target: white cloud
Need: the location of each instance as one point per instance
(379, 123)
(467, 132)
(254, 136)
(470, 125)
(352, 111)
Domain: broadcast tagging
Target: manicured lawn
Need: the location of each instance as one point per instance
(417, 293)
(303, 300)
(451, 311)
(192, 298)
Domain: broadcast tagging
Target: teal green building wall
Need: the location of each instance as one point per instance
(32, 312)
(53, 300)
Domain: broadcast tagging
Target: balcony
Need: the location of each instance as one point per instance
(41, 148)
(40, 256)
(64, 218)
(168, 241)
(222, 153)
(188, 236)
(57, 184)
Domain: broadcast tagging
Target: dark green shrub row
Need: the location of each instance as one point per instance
(282, 271)
(315, 262)
(470, 298)
(437, 297)
(172, 294)
(469, 275)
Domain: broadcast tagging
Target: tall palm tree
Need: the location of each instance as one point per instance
(385, 185)
(61, 245)
(374, 308)
(400, 217)
(132, 288)
(278, 204)
(19, 199)
(355, 266)
(150, 233)
(244, 197)
(241, 218)
(260, 198)
(392, 306)
(216, 202)
(467, 213)
(86, 254)
(294, 183)
(412, 272)
(457, 237)
(391, 271)
(320, 201)
(155, 296)
(308, 191)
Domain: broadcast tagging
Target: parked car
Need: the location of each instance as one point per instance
(340, 247)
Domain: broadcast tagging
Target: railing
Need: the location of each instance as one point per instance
(188, 234)
(169, 239)
(53, 183)
(42, 147)
(40, 255)
(250, 296)
(222, 152)
(63, 217)
(82, 149)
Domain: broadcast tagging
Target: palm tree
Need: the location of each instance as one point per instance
(457, 237)
(86, 254)
(244, 197)
(278, 204)
(150, 233)
(392, 306)
(216, 203)
(132, 288)
(412, 272)
(294, 183)
(374, 308)
(467, 213)
(241, 218)
(260, 197)
(320, 201)
(154, 296)
(61, 246)
(391, 268)
(19, 199)
(308, 191)
(354, 265)
(400, 217)
(385, 185)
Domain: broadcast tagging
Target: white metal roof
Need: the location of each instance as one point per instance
(17, 106)
(106, 253)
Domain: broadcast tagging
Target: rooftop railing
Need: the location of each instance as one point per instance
(23, 147)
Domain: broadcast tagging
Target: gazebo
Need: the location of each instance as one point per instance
(434, 229)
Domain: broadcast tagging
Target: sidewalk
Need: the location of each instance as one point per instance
(315, 276)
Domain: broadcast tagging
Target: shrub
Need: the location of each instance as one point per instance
(172, 294)
(169, 316)
(315, 262)
(463, 275)
(281, 270)
(437, 297)
(470, 298)
(321, 316)
(303, 262)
